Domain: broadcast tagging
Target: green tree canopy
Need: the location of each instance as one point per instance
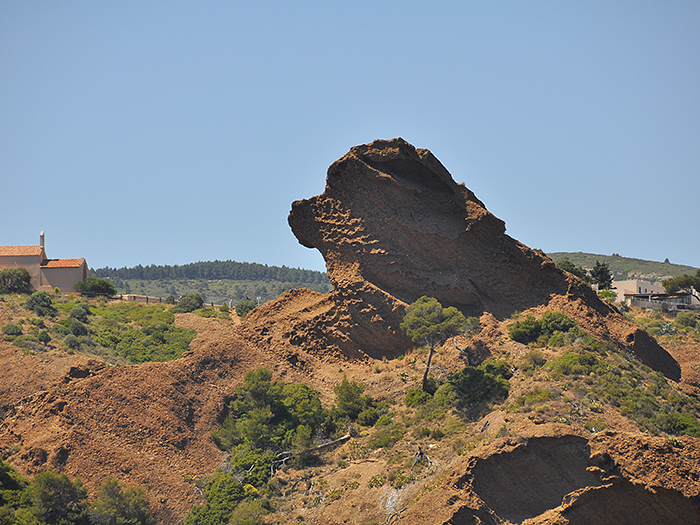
(244, 307)
(602, 276)
(684, 283)
(189, 303)
(117, 506)
(427, 322)
(57, 500)
(15, 280)
(93, 285)
(578, 271)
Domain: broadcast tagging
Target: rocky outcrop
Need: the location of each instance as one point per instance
(393, 216)
(561, 477)
(393, 225)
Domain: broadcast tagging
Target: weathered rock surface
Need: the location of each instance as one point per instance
(559, 477)
(393, 225)
(393, 216)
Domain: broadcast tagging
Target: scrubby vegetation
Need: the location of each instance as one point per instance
(55, 499)
(119, 332)
(550, 326)
(586, 378)
(271, 425)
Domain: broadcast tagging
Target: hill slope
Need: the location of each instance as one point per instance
(624, 268)
(565, 443)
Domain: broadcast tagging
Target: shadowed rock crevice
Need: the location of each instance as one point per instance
(535, 477)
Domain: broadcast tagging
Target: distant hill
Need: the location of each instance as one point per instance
(624, 268)
(215, 281)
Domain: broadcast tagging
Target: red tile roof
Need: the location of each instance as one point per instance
(63, 263)
(20, 251)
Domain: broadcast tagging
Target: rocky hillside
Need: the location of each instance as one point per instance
(392, 224)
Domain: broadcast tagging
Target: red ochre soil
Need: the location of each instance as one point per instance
(150, 424)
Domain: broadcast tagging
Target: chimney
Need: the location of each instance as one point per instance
(41, 240)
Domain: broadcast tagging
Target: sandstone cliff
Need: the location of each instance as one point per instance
(393, 225)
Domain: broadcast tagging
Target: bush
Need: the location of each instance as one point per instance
(81, 313)
(116, 506)
(682, 424)
(41, 304)
(15, 280)
(77, 328)
(94, 285)
(541, 330)
(12, 329)
(71, 342)
(526, 331)
(44, 337)
(244, 307)
(573, 364)
(57, 499)
(349, 401)
(187, 304)
(416, 396)
(686, 320)
(477, 384)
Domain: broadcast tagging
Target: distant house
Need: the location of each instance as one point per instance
(46, 273)
(635, 286)
(645, 294)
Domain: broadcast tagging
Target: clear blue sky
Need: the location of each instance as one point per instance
(174, 132)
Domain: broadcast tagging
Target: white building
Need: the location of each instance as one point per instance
(635, 286)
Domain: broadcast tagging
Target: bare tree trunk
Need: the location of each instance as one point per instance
(463, 351)
(431, 351)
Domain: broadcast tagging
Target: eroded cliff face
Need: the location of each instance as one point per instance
(393, 225)
(392, 215)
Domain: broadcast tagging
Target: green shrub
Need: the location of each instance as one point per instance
(244, 307)
(41, 304)
(686, 320)
(81, 313)
(57, 499)
(349, 401)
(71, 342)
(222, 498)
(682, 425)
(416, 396)
(96, 286)
(15, 280)
(533, 359)
(187, 304)
(115, 505)
(44, 337)
(530, 330)
(573, 364)
(12, 329)
(526, 331)
(386, 436)
(60, 329)
(477, 384)
(77, 328)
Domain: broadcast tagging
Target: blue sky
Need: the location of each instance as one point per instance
(174, 132)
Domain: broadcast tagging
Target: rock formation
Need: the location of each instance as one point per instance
(392, 225)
